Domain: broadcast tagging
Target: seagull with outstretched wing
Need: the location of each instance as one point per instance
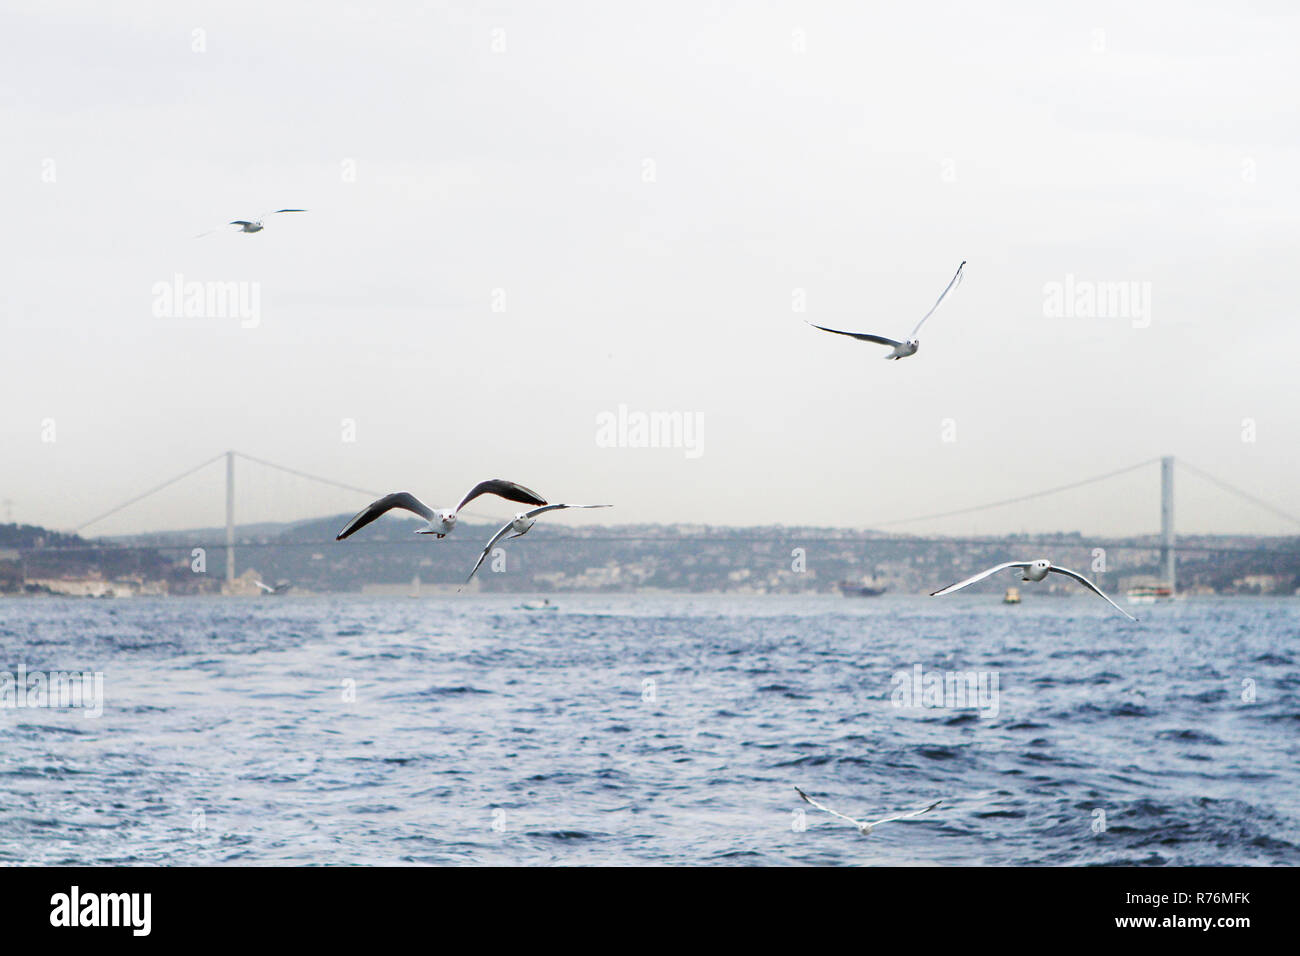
(865, 827)
(519, 524)
(908, 347)
(1034, 571)
(249, 225)
(442, 521)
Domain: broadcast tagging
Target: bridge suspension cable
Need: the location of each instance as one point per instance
(882, 524)
(1237, 491)
(303, 474)
(154, 490)
(1018, 498)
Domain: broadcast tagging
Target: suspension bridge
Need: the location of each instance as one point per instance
(229, 457)
(1167, 541)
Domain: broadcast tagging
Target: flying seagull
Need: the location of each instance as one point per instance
(863, 826)
(519, 524)
(1034, 571)
(901, 349)
(443, 521)
(250, 225)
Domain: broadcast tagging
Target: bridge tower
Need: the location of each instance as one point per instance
(230, 518)
(1167, 553)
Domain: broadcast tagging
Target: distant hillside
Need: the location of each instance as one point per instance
(31, 536)
(556, 557)
(51, 554)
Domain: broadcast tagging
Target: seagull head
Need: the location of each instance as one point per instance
(1037, 570)
(864, 829)
(440, 524)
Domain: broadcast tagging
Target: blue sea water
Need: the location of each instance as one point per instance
(652, 730)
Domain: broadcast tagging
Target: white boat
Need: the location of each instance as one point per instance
(542, 605)
(1150, 594)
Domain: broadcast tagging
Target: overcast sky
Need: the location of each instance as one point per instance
(525, 216)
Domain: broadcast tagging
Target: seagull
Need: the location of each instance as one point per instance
(443, 521)
(863, 826)
(519, 524)
(901, 349)
(250, 225)
(1034, 571)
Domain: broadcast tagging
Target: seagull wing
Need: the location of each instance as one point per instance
(905, 815)
(956, 281)
(545, 508)
(825, 809)
(502, 533)
(224, 227)
(275, 211)
(265, 587)
(398, 499)
(502, 489)
(488, 549)
(1091, 587)
(979, 577)
(861, 336)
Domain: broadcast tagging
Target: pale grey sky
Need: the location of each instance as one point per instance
(855, 152)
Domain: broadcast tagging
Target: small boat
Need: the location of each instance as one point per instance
(850, 589)
(543, 605)
(1012, 596)
(1150, 594)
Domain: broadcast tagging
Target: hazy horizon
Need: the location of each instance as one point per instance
(522, 221)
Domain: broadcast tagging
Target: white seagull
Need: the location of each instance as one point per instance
(519, 524)
(901, 349)
(1034, 571)
(442, 521)
(250, 225)
(863, 826)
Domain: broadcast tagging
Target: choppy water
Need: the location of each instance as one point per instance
(483, 733)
